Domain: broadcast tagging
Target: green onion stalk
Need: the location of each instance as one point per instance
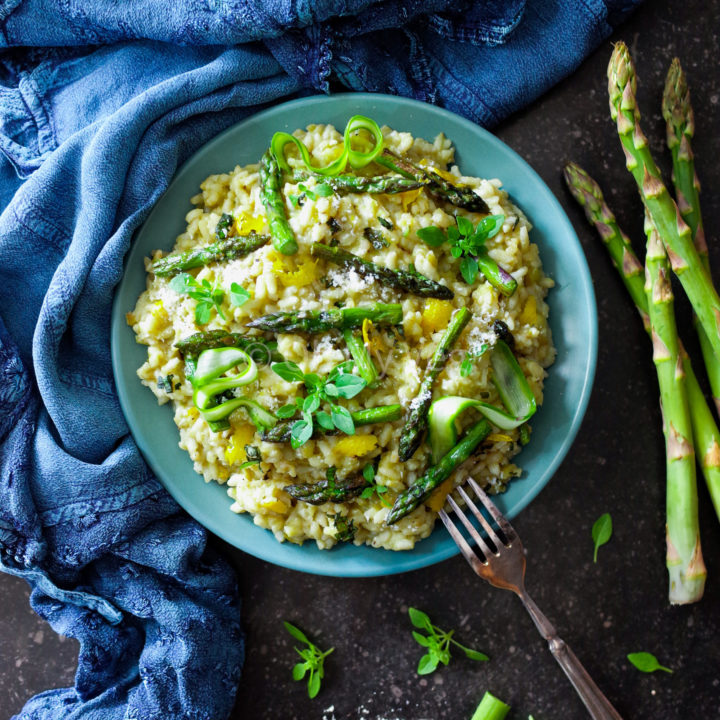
(679, 117)
(706, 435)
(666, 217)
(684, 554)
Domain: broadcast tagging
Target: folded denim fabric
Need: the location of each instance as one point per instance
(99, 104)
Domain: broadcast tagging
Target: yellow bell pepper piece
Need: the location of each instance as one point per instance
(437, 500)
(529, 314)
(247, 223)
(235, 451)
(436, 315)
(356, 445)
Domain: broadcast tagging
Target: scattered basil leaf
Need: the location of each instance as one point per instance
(300, 433)
(469, 269)
(646, 662)
(342, 420)
(207, 296)
(601, 532)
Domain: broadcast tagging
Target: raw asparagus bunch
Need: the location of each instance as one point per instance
(368, 416)
(417, 419)
(673, 230)
(679, 117)
(318, 321)
(706, 436)
(328, 490)
(422, 488)
(358, 184)
(283, 237)
(436, 185)
(410, 282)
(220, 251)
(684, 555)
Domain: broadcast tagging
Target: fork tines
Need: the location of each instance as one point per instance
(505, 537)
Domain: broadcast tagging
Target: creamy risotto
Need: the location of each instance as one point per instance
(382, 228)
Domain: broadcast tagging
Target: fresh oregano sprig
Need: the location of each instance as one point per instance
(467, 242)
(313, 661)
(321, 190)
(340, 383)
(437, 643)
(209, 297)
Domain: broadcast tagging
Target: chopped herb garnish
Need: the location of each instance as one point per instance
(313, 661)
(466, 366)
(340, 383)
(345, 527)
(208, 296)
(225, 223)
(601, 532)
(646, 662)
(385, 223)
(437, 643)
(334, 225)
(372, 487)
(165, 383)
(376, 238)
(253, 453)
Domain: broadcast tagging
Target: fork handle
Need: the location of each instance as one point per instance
(597, 704)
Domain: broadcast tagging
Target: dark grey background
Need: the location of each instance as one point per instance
(616, 465)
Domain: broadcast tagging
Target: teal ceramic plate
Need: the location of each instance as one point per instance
(573, 320)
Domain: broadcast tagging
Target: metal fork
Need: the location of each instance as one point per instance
(504, 567)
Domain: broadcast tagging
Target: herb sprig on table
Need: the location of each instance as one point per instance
(437, 643)
(340, 383)
(313, 661)
(646, 662)
(209, 297)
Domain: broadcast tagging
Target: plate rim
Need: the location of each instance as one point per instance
(406, 562)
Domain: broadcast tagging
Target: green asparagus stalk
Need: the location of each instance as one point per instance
(423, 487)
(684, 554)
(409, 282)
(417, 418)
(220, 251)
(357, 184)
(589, 195)
(318, 321)
(436, 185)
(673, 230)
(680, 120)
(706, 435)
(368, 416)
(361, 355)
(259, 349)
(328, 490)
(283, 237)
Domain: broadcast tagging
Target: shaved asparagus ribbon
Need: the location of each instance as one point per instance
(208, 384)
(356, 158)
(514, 392)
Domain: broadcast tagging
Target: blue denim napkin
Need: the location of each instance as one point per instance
(99, 104)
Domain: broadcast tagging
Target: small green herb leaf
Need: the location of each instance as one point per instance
(296, 632)
(300, 433)
(323, 190)
(286, 411)
(288, 371)
(432, 236)
(314, 661)
(465, 226)
(299, 671)
(646, 662)
(342, 420)
(324, 420)
(312, 403)
(469, 269)
(238, 295)
(428, 663)
(601, 532)
(419, 619)
(348, 386)
(202, 313)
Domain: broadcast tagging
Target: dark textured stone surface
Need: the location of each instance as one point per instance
(616, 464)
